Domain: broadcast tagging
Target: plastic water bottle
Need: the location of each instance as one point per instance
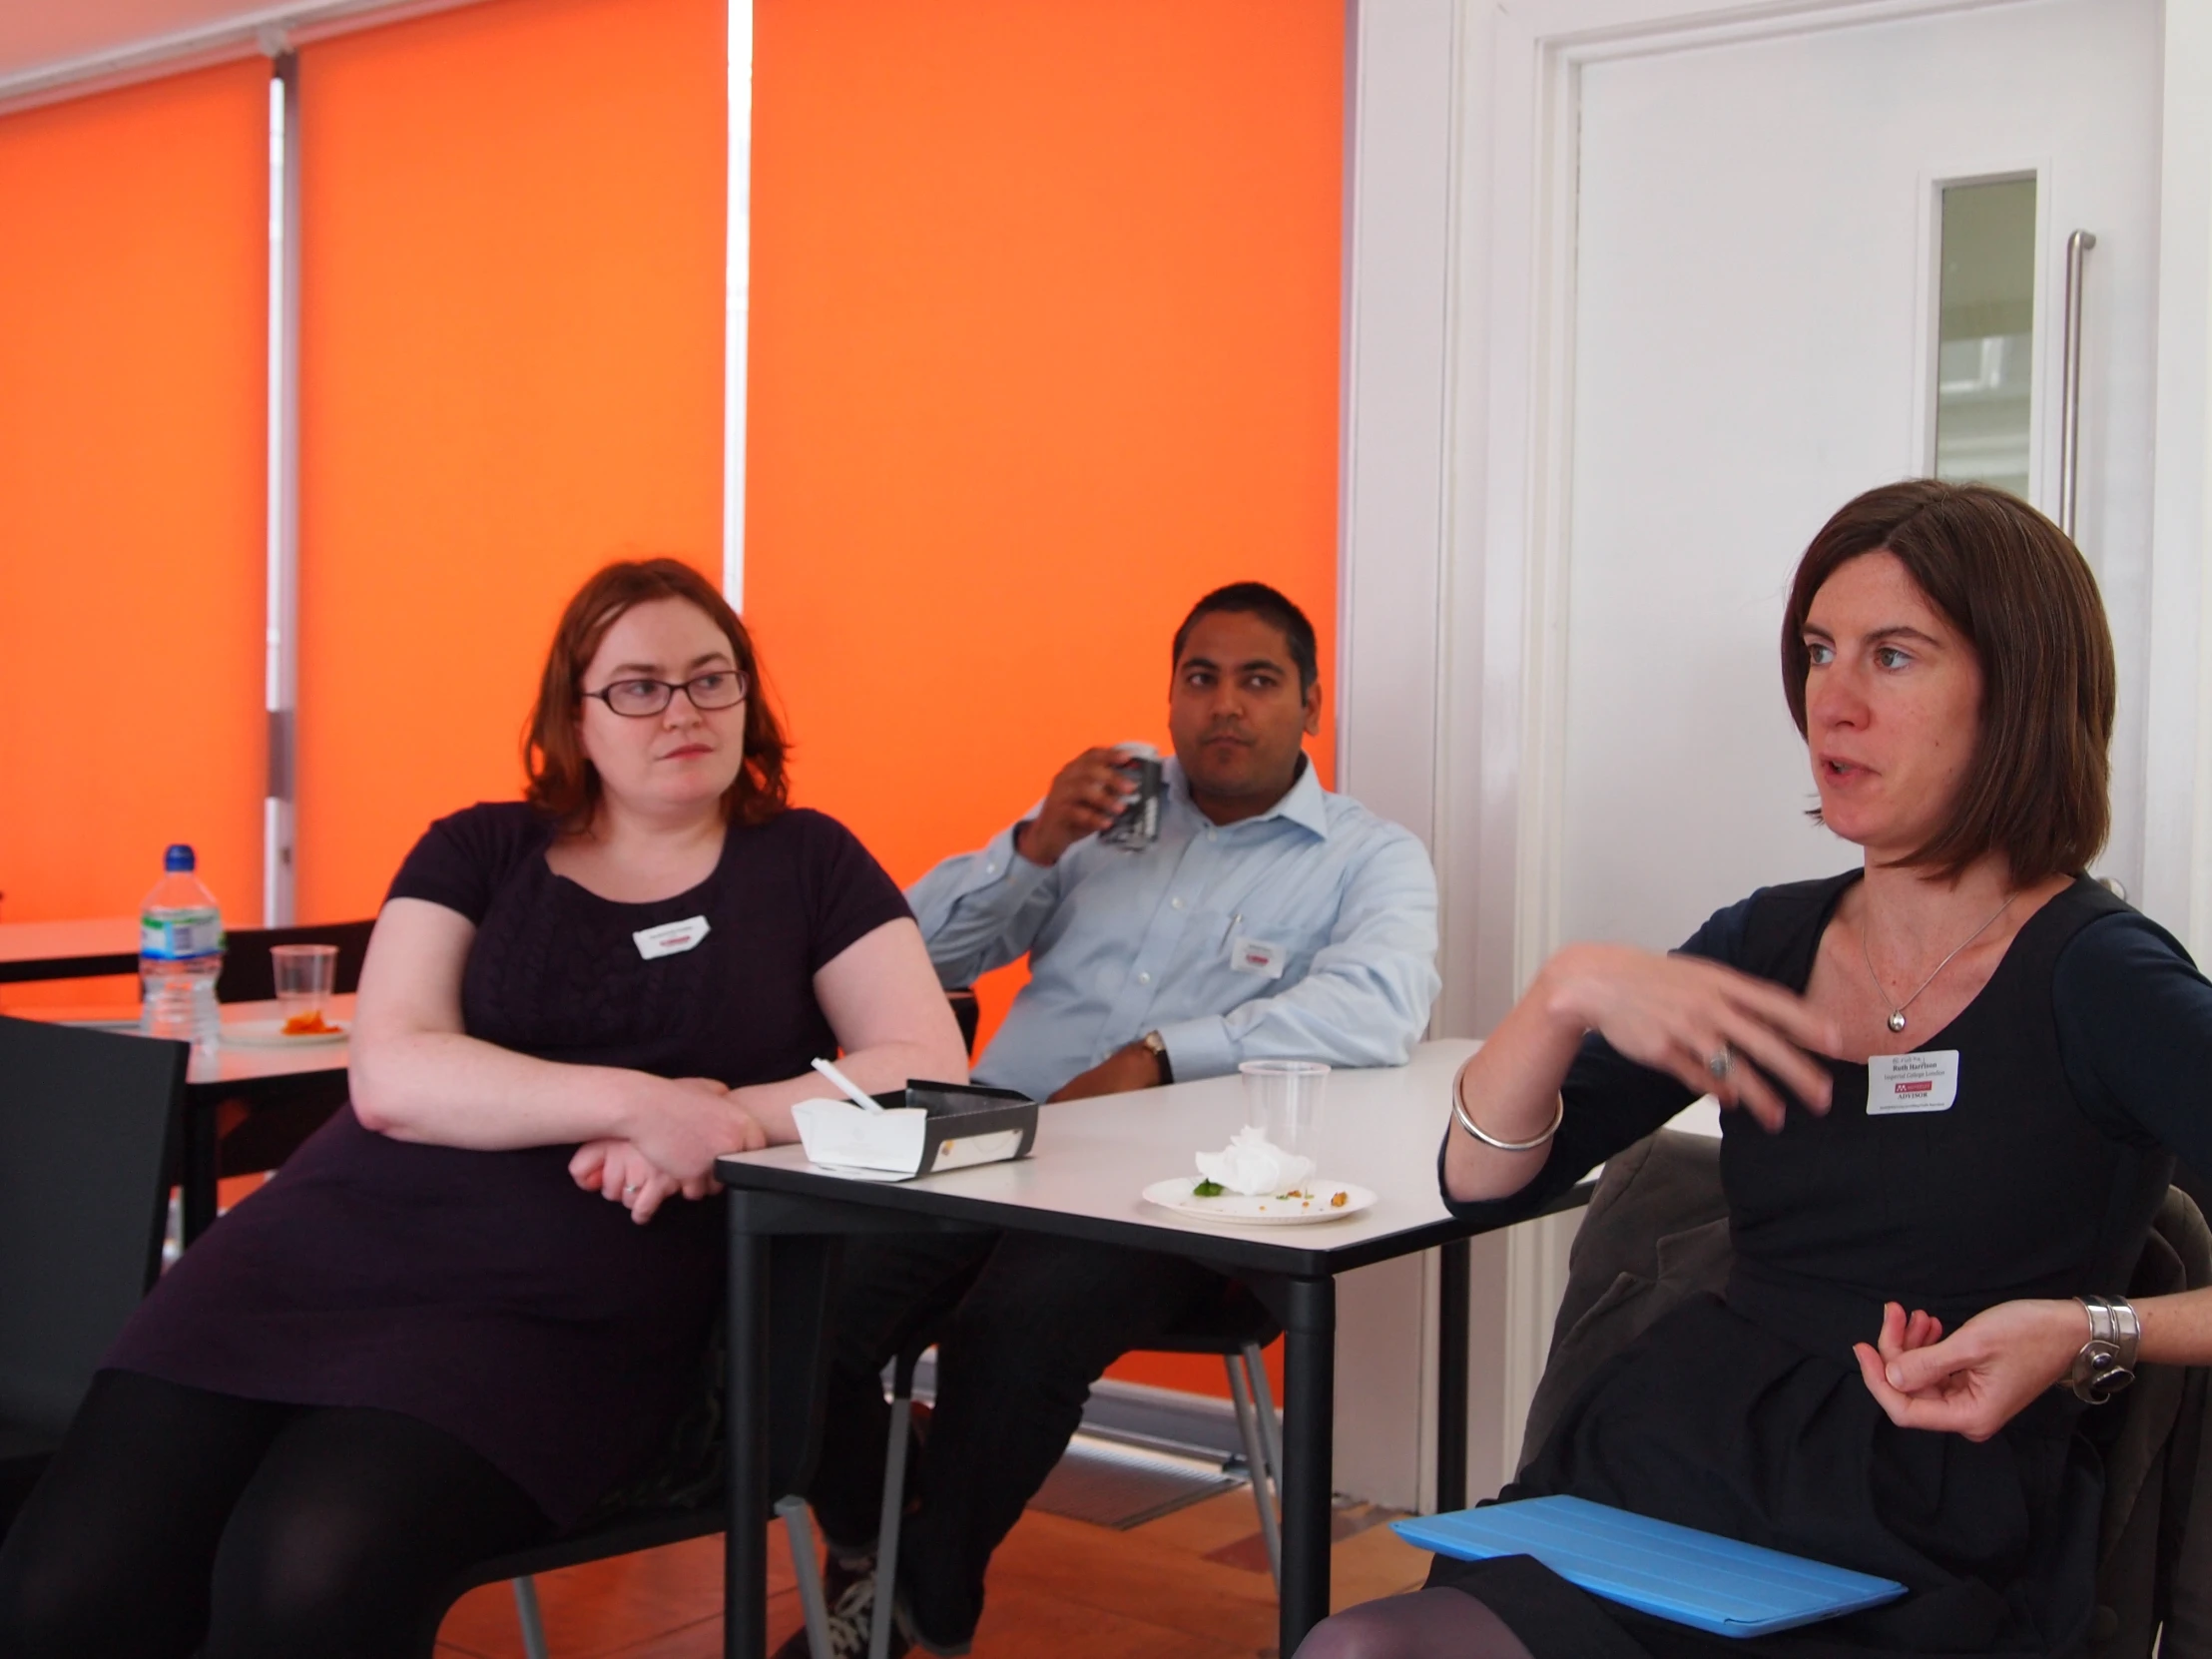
(180, 954)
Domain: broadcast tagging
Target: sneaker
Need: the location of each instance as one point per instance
(839, 1577)
(851, 1595)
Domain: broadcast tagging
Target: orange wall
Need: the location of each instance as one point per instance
(511, 370)
(133, 321)
(1044, 346)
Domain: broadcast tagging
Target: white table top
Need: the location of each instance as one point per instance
(237, 1063)
(1380, 1128)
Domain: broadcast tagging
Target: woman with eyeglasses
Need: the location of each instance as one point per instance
(475, 1304)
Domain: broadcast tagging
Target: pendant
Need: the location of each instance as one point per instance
(1896, 1020)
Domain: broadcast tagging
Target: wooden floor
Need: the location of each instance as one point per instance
(1190, 1585)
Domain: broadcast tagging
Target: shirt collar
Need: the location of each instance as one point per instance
(1305, 802)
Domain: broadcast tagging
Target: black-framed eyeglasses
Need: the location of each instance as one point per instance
(638, 699)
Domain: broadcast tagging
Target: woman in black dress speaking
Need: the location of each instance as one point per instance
(1962, 1072)
(475, 1303)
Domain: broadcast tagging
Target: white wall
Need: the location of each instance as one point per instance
(1443, 414)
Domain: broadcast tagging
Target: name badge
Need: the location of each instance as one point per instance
(1912, 1082)
(1257, 956)
(670, 937)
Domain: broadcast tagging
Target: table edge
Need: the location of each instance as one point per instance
(1249, 1253)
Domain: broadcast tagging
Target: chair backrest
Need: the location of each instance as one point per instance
(249, 977)
(89, 1125)
(968, 1012)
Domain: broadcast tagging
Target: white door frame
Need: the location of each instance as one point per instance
(1463, 569)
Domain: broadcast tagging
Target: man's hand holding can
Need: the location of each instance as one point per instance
(1089, 795)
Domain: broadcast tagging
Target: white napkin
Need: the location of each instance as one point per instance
(1254, 1166)
(838, 1134)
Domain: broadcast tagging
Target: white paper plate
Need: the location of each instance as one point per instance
(269, 1033)
(1241, 1210)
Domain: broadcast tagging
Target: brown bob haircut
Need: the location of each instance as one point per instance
(2004, 576)
(563, 784)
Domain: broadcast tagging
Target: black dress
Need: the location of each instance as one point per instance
(2080, 1064)
(484, 1292)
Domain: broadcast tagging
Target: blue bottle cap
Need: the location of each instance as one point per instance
(179, 857)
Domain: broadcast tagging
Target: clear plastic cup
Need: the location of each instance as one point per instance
(1283, 1101)
(305, 974)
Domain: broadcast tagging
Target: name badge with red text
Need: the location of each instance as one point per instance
(1257, 956)
(670, 937)
(1912, 1082)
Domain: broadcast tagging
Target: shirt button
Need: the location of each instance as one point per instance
(1175, 904)
(990, 869)
(1210, 833)
(1144, 978)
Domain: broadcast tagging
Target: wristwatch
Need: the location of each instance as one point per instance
(1159, 1048)
(2106, 1363)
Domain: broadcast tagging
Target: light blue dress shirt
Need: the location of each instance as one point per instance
(1308, 932)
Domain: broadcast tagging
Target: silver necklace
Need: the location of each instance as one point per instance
(1897, 1009)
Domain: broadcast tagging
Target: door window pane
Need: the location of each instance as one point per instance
(1986, 325)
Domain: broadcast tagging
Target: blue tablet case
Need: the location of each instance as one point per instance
(1677, 1572)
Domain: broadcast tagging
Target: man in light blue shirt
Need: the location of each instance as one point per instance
(1270, 918)
(1305, 930)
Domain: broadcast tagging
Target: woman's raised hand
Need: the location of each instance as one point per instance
(1700, 1022)
(1981, 1377)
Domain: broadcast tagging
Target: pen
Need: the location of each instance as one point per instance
(851, 1089)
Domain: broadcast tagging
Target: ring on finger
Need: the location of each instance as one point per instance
(1721, 1063)
(630, 1191)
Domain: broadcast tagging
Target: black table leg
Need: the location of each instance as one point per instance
(1309, 1452)
(1455, 1284)
(202, 1149)
(744, 1545)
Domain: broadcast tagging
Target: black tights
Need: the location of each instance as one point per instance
(172, 1517)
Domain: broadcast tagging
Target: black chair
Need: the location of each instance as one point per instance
(967, 1012)
(262, 1137)
(248, 976)
(804, 1282)
(1237, 1327)
(1656, 1232)
(685, 1499)
(90, 1125)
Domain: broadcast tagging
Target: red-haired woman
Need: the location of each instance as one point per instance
(476, 1302)
(1964, 1070)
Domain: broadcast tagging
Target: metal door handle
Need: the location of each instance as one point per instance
(2069, 390)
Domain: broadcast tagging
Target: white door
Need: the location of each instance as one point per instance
(1754, 341)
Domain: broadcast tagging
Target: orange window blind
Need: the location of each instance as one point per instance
(1044, 346)
(511, 363)
(133, 329)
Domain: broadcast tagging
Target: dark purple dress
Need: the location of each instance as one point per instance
(483, 1291)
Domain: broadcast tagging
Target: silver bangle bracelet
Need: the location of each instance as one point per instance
(2106, 1363)
(1459, 1111)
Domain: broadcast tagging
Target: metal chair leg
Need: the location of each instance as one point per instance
(531, 1619)
(1255, 1460)
(894, 1507)
(799, 1527)
(1262, 1398)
